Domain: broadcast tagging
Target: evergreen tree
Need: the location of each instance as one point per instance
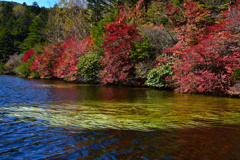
(6, 12)
(34, 35)
(23, 24)
(6, 44)
(96, 8)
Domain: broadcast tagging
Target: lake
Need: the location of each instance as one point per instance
(53, 119)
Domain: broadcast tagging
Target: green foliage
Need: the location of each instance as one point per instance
(6, 12)
(34, 74)
(214, 5)
(236, 74)
(97, 8)
(89, 66)
(34, 35)
(143, 50)
(178, 2)
(95, 49)
(98, 30)
(24, 68)
(2, 70)
(156, 76)
(6, 44)
(160, 14)
(38, 48)
(214, 2)
(22, 24)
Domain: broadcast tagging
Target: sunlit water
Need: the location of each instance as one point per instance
(52, 119)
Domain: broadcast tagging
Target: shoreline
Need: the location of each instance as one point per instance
(235, 87)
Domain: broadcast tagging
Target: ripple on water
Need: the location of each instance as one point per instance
(42, 119)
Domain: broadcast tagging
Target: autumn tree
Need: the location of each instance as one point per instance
(54, 26)
(119, 42)
(72, 49)
(73, 18)
(66, 19)
(207, 53)
(47, 60)
(19, 10)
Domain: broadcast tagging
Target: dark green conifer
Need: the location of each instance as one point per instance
(6, 44)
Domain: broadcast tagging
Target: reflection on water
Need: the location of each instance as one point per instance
(52, 119)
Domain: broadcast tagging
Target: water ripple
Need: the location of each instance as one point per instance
(51, 119)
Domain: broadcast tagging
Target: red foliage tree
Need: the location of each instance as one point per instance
(191, 28)
(73, 48)
(60, 60)
(207, 67)
(119, 41)
(234, 17)
(28, 54)
(49, 59)
(132, 15)
(206, 55)
(36, 63)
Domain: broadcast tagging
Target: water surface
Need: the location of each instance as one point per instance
(52, 119)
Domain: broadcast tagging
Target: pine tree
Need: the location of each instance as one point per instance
(34, 35)
(96, 8)
(6, 44)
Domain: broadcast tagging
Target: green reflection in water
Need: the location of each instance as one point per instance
(63, 85)
(154, 112)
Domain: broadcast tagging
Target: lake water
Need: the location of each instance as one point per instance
(52, 119)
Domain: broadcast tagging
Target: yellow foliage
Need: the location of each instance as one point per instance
(67, 19)
(19, 10)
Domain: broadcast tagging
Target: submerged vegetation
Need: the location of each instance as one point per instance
(191, 46)
(159, 113)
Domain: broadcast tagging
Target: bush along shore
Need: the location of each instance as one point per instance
(189, 46)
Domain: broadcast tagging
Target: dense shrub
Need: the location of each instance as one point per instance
(60, 60)
(168, 13)
(48, 59)
(142, 50)
(141, 70)
(28, 54)
(160, 76)
(236, 74)
(120, 37)
(36, 63)
(133, 14)
(156, 76)
(159, 37)
(35, 66)
(207, 55)
(234, 17)
(126, 50)
(13, 63)
(2, 69)
(73, 49)
(89, 66)
(155, 13)
(24, 68)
